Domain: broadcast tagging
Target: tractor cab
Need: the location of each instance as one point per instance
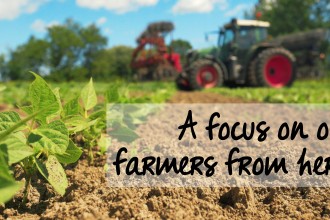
(236, 40)
(242, 34)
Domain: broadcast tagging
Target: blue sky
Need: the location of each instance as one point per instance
(120, 20)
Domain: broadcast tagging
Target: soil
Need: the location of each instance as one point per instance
(3, 107)
(90, 197)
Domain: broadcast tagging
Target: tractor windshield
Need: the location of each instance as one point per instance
(249, 35)
(240, 40)
(228, 37)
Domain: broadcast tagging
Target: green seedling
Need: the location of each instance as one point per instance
(85, 119)
(41, 145)
(46, 139)
(8, 185)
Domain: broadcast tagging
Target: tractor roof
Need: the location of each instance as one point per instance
(253, 23)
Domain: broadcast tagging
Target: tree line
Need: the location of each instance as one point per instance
(71, 52)
(68, 52)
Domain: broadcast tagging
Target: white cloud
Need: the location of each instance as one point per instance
(238, 9)
(41, 26)
(118, 6)
(11, 9)
(198, 6)
(101, 21)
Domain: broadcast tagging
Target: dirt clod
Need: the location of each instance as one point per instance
(240, 198)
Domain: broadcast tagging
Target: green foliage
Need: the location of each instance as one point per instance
(71, 155)
(45, 139)
(54, 173)
(15, 148)
(29, 56)
(2, 68)
(10, 154)
(8, 185)
(181, 47)
(94, 43)
(8, 120)
(72, 45)
(88, 96)
(52, 138)
(82, 122)
(43, 98)
(113, 63)
(298, 15)
(2, 88)
(68, 52)
(300, 92)
(38, 146)
(125, 134)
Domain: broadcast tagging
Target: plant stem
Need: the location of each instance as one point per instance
(90, 155)
(27, 189)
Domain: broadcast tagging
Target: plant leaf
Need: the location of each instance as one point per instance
(78, 123)
(8, 186)
(15, 148)
(54, 173)
(72, 108)
(8, 120)
(53, 137)
(88, 96)
(103, 143)
(56, 91)
(124, 134)
(13, 128)
(71, 155)
(101, 114)
(4, 169)
(43, 98)
(26, 109)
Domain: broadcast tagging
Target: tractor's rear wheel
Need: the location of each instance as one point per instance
(275, 68)
(205, 74)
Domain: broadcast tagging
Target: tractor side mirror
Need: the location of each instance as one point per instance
(222, 31)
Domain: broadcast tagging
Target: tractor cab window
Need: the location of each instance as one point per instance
(248, 36)
(229, 36)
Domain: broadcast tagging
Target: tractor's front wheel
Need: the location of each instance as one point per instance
(205, 74)
(275, 67)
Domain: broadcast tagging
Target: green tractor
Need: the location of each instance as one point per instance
(244, 56)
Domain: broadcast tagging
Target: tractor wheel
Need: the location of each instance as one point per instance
(182, 83)
(252, 77)
(275, 68)
(205, 74)
(164, 72)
